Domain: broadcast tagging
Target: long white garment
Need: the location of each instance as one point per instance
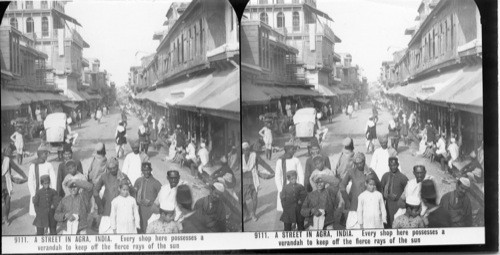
(204, 158)
(318, 221)
(291, 164)
(72, 226)
(454, 150)
(380, 162)
(191, 151)
(251, 166)
(6, 173)
(266, 135)
(132, 166)
(166, 199)
(413, 189)
(371, 210)
(44, 169)
(441, 146)
(352, 220)
(125, 215)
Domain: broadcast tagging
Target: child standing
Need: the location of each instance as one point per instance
(292, 196)
(327, 175)
(45, 202)
(411, 218)
(124, 215)
(371, 207)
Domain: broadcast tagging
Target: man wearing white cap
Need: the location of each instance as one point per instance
(36, 170)
(458, 204)
(441, 155)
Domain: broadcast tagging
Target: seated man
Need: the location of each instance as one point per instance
(474, 170)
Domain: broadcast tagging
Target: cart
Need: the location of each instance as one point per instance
(55, 132)
(304, 121)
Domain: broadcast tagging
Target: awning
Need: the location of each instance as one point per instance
(75, 96)
(299, 91)
(66, 17)
(70, 105)
(464, 93)
(429, 87)
(253, 95)
(9, 101)
(221, 93)
(317, 12)
(321, 100)
(326, 91)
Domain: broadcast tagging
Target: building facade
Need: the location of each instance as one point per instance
(306, 29)
(193, 78)
(48, 24)
(440, 74)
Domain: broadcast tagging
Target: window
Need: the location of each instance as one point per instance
(280, 20)
(280, 1)
(13, 5)
(30, 26)
(296, 1)
(262, 1)
(13, 22)
(45, 5)
(296, 21)
(182, 47)
(195, 46)
(201, 37)
(264, 18)
(45, 26)
(29, 4)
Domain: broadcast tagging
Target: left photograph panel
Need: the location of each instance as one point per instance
(120, 117)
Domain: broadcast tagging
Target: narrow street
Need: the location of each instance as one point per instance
(90, 134)
(342, 127)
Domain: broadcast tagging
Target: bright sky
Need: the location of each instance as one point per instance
(116, 30)
(371, 30)
(120, 32)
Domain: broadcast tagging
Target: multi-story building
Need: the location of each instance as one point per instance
(193, 78)
(305, 28)
(442, 68)
(23, 77)
(269, 73)
(47, 22)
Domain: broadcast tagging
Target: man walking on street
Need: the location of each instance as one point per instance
(287, 163)
(36, 170)
(381, 157)
(346, 158)
(133, 162)
(167, 194)
(96, 169)
(147, 190)
(358, 176)
(110, 180)
(250, 184)
(393, 184)
(315, 151)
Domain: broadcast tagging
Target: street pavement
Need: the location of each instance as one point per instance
(341, 127)
(88, 136)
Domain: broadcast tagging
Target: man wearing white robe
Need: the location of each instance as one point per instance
(44, 168)
(291, 163)
(132, 164)
(166, 196)
(380, 158)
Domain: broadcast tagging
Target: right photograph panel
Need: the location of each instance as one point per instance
(361, 114)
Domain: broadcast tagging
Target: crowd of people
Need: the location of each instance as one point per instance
(108, 198)
(355, 194)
